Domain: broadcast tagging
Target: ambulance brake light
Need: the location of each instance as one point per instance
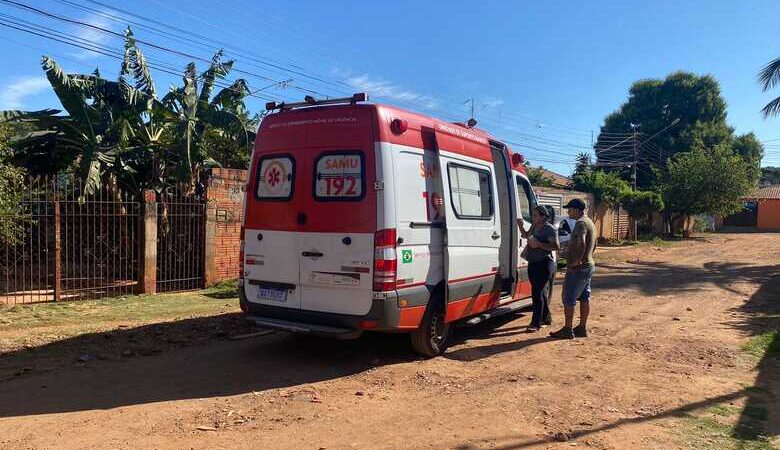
(385, 260)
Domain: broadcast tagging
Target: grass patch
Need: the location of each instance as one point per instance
(617, 243)
(660, 242)
(757, 390)
(224, 289)
(131, 309)
(709, 432)
(722, 410)
(756, 412)
(655, 240)
(764, 344)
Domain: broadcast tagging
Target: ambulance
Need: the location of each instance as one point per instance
(366, 217)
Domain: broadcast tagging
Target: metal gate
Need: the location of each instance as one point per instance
(748, 217)
(181, 242)
(621, 225)
(60, 245)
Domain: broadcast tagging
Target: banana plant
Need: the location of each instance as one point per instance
(198, 114)
(119, 132)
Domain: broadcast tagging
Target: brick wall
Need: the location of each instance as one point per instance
(224, 209)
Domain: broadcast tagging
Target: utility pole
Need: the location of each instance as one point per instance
(636, 150)
(636, 161)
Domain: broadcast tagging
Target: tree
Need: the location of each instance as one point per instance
(583, 164)
(695, 101)
(768, 78)
(770, 175)
(641, 204)
(538, 177)
(11, 189)
(750, 148)
(607, 188)
(120, 134)
(706, 181)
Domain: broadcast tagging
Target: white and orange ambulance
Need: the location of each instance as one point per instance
(367, 217)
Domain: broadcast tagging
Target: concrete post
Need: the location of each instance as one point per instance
(147, 282)
(210, 272)
(57, 251)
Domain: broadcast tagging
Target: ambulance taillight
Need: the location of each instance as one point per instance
(385, 260)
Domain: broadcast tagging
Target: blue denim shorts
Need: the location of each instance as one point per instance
(576, 285)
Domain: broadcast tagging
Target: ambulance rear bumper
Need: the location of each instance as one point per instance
(384, 315)
(305, 328)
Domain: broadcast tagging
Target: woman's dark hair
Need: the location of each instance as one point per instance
(543, 211)
(550, 213)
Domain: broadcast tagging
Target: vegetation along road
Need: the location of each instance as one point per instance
(682, 355)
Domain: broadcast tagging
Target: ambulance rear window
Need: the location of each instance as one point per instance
(275, 177)
(338, 176)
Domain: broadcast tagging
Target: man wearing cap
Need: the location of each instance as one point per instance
(579, 270)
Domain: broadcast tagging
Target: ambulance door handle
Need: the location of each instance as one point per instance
(312, 254)
(495, 235)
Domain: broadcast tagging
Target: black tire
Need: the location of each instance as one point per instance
(431, 338)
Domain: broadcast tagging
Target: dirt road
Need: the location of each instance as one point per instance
(667, 330)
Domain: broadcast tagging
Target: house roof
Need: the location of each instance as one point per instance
(767, 192)
(558, 179)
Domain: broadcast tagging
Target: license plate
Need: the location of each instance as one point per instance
(272, 294)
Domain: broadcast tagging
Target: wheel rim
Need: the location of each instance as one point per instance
(437, 331)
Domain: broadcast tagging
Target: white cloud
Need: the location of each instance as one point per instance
(493, 103)
(91, 36)
(12, 97)
(383, 88)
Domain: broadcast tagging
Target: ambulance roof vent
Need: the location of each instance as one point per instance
(311, 101)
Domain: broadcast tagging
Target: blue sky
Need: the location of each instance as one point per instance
(542, 74)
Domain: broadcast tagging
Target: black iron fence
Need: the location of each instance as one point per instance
(27, 251)
(62, 245)
(181, 235)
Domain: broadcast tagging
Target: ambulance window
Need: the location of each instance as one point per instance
(525, 197)
(339, 176)
(275, 177)
(471, 193)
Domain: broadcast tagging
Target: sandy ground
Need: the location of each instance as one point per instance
(666, 330)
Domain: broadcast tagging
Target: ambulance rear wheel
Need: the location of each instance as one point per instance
(430, 339)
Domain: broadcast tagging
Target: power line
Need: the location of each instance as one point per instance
(182, 35)
(102, 51)
(97, 49)
(150, 44)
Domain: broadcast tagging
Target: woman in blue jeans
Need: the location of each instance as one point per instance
(542, 241)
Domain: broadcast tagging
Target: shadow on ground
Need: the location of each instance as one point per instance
(759, 419)
(761, 414)
(585, 432)
(186, 359)
(676, 279)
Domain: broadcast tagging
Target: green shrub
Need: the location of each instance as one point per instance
(11, 191)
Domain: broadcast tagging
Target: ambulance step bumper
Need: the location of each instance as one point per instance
(500, 311)
(305, 328)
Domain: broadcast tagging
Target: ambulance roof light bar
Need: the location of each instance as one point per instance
(311, 101)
